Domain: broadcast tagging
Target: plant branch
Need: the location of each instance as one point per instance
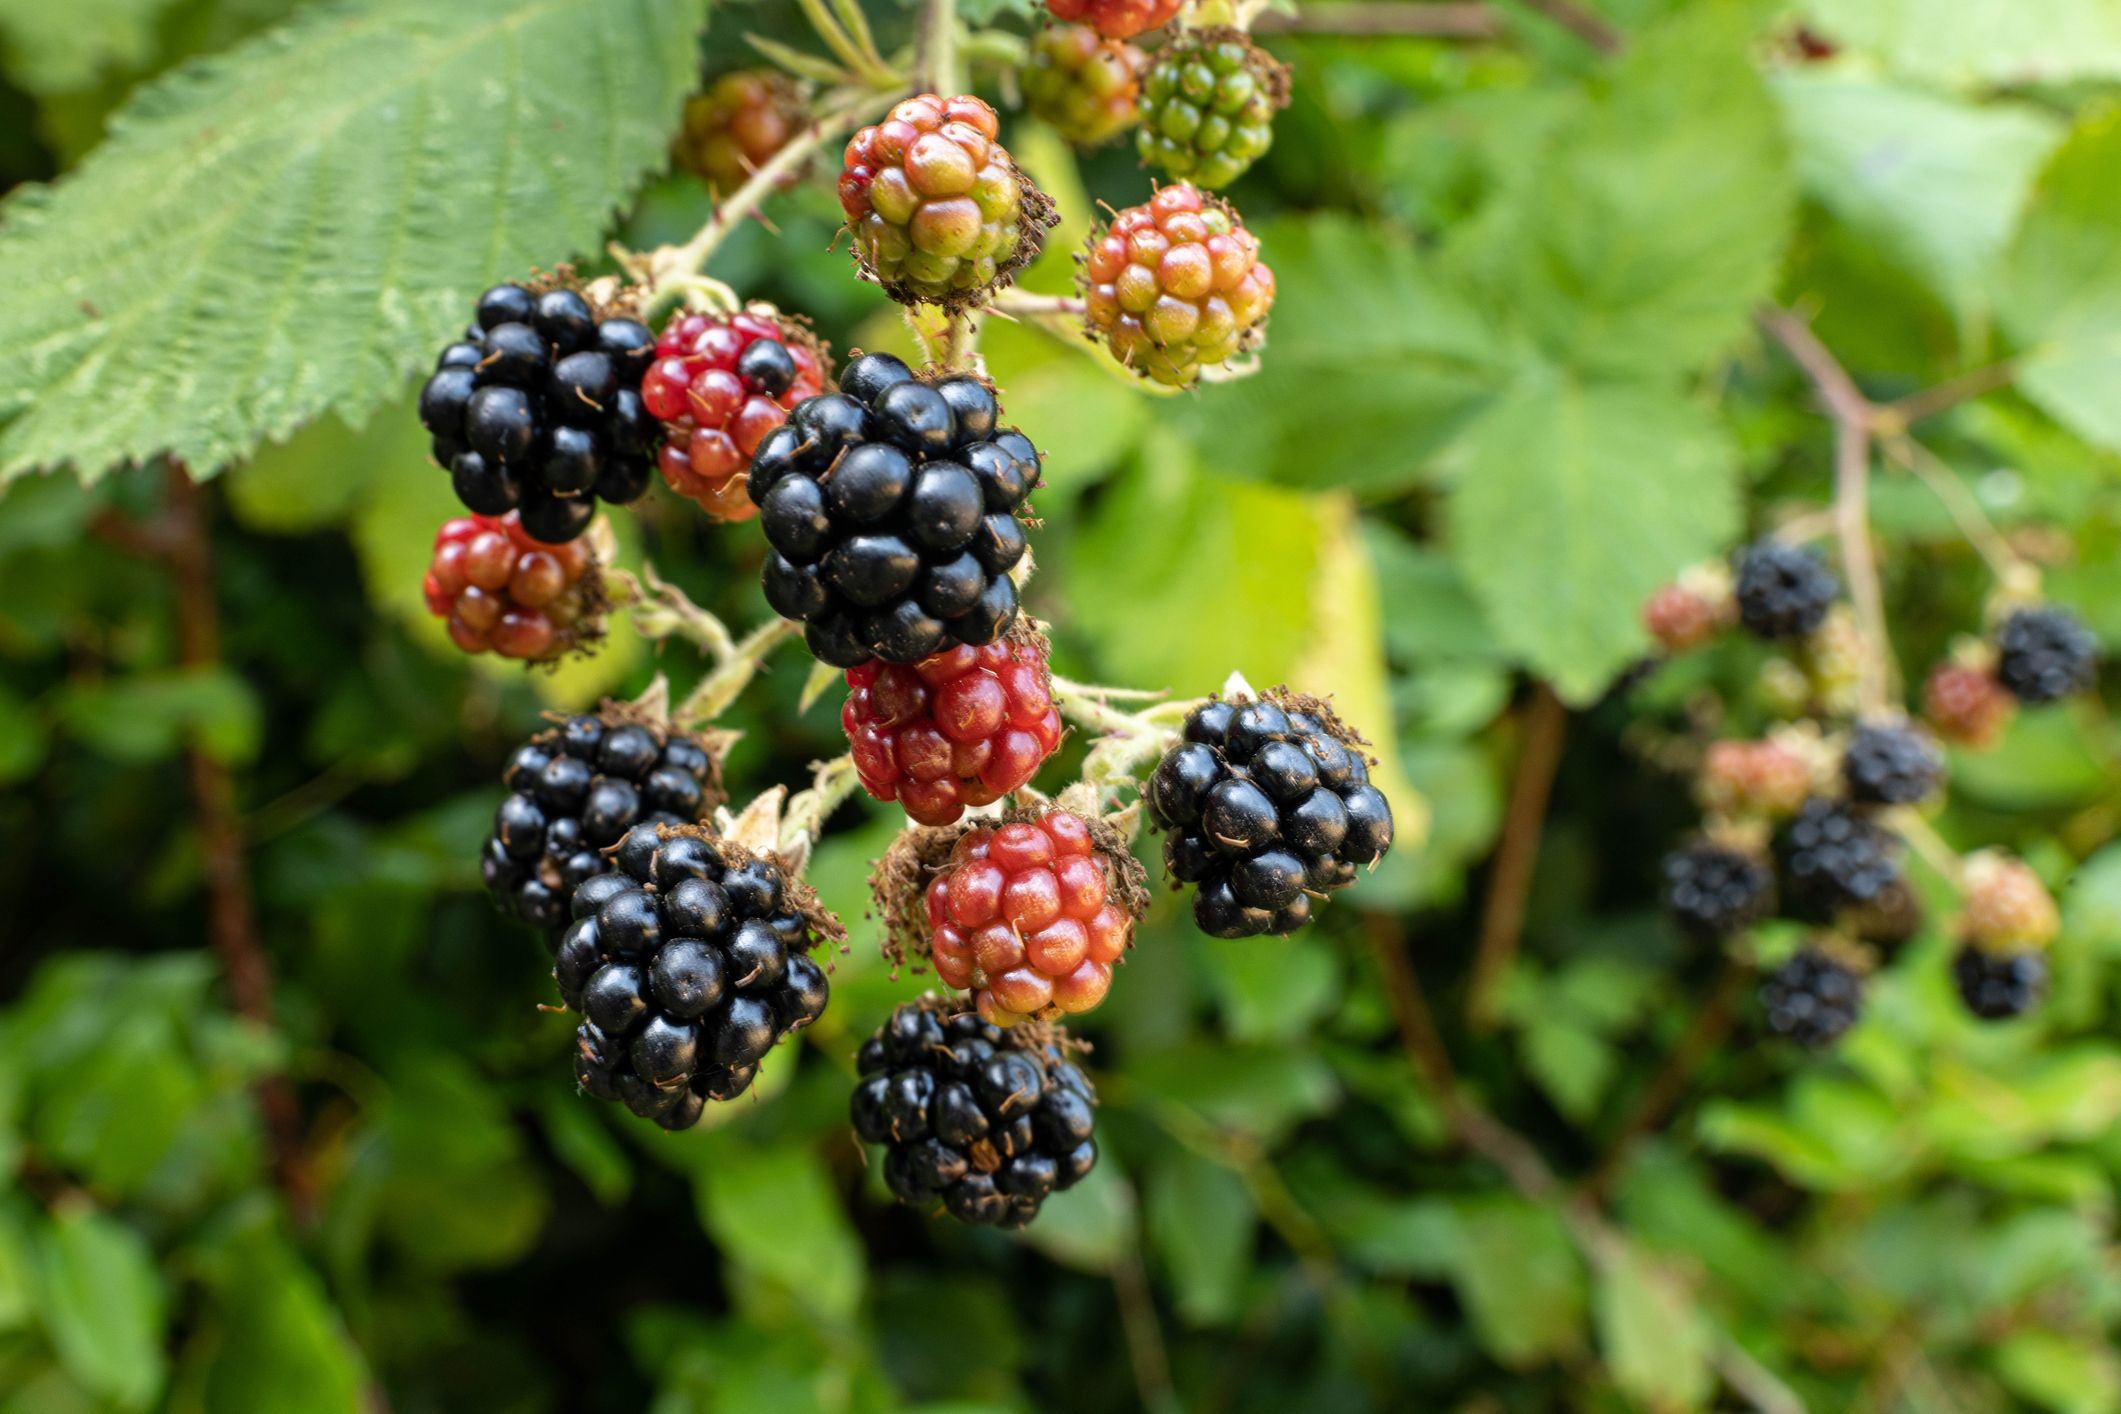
(1592, 29)
(1137, 1315)
(1510, 882)
(1966, 512)
(735, 671)
(935, 65)
(1948, 394)
(1397, 17)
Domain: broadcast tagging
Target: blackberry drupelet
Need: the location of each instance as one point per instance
(1891, 765)
(892, 507)
(578, 789)
(1833, 857)
(1269, 804)
(989, 1121)
(688, 963)
(538, 409)
(2043, 654)
(1714, 892)
(1783, 590)
(1812, 999)
(1999, 986)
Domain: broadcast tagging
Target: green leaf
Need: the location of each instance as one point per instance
(283, 1349)
(583, 1142)
(775, 1213)
(1517, 1272)
(1202, 1221)
(2058, 1372)
(2091, 910)
(458, 1192)
(103, 1305)
(1575, 502)
(295, 226)
(1429, 614)
(1974, 42)
(316, 477)
(1272, 993)
(1936, 182)
(2060, 291)
(147, 716)
(22, 738)
(1087, 1226)
(1655, 1340)
(2042, 762)
(51, 49)
(1261, 1090)
(17, 1277)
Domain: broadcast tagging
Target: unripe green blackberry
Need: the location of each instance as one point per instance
(1086, 88)
(1208, 106)
(1174, 284)
(939, 212)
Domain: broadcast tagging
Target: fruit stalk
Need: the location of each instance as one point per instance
(734, 671)
(935, 70)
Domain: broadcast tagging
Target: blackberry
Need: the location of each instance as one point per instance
(734, 128)
(1176, 284)
(1783, 590)
(892, 509)
(1208, 104)
(1082, 86)
(1999, 986)
(538, 409)
(1116, 19)
(962, 727)
(1891, 765)
(1680, 619)
(2043, 654)
(1270, 805)
(717, 387)
(576, 792)
(688, 963)
(1812, 999)
(1833, 857)
(1715, 892)
(501, 590)
(1965, 704)
(2008, 908)
(987, 1120)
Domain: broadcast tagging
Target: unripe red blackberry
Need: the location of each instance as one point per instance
(718, 386)
(2008, 909)
(1783, 590)
(689, 962)
(989, 1121)
(1116, 19)
(1997, 986)
(735, 127)
(1834, 857)
(1813, 998)
(538, 408)
(1208, 104)
(1891, 765)
(1753, 779)
(2044, 653)
(1966, 704)
(1714, 892)
(1032, 915)
(502, 591)
(1086, 88)
(575, 792)
(1269, 805)
(1175, 284)
(1686, 613)
(892, 507)
(962, 727)
(939, 211)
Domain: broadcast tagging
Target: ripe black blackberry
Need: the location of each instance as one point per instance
(2045, 653)
(1998, 986)
(1891, 765)
(1269, 804)
(538, 410)
(1714, 892)
(891, 507)
(688, 963)
(1833, 857)
(1783, 591)
(578, 789)
(1812, 999)
(989, 1121)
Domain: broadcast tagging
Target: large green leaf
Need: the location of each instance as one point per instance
(1576, 501)
(1203, 1222)
(1980, 41)
(1653, 1336)
(775, 1213)
(294, 226)
(103, 1305)
(1937, 182)
(51, 48)
(282, 1349)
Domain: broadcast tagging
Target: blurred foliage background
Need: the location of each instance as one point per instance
(1512, 386)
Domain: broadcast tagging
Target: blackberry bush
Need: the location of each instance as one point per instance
(1783, 591)
(1208, 104)
(735, 127)
(718, 386)
(538, 409)
(688, 963)
(502, 591)
(991, 1122)
(1834, 857)
(1176, 284)
(962, 727)
(1714, 891)
(1085, 87)
(1813, 999)
(938, 210)
(892, 508)
(1891, 765)
(1116, 19)
(1269, 804)
(576, 791)
(2043, 654)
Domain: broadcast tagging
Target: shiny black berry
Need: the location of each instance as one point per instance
(1812, 999)
(1833, 857)
(1891, 765)
(2045, 653)
(1999, 986)
(1714, 892)
(1783, 591)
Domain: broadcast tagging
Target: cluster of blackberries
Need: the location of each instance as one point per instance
(989, 1121)
(1783, 591)
(1715, 892)
(1998, 986)
(538, 410)
(688, 965)
(2044, 653)
(891, 507)
(577, 790)
(1266, 808)
(1813, 998)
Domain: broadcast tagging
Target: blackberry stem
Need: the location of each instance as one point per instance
(735, 671)
(1510, 882)
(935, 67)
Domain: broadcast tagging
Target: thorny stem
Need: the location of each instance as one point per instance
(735, 671)
(935, 69)
(832, 782)
(1948, 394)
(1966, 512)
(1510, 882)
(1908, 823)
